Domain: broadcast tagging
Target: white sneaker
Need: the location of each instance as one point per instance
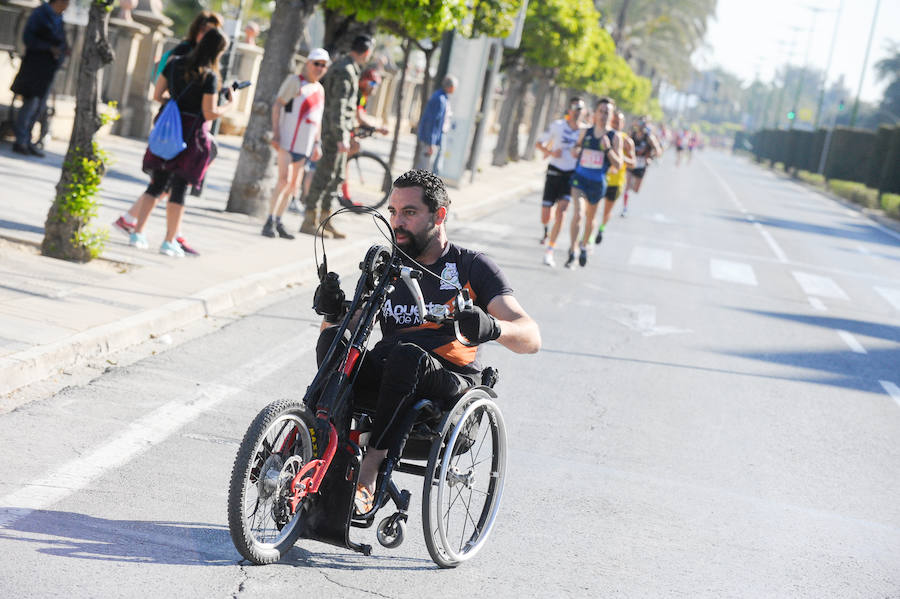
(137, 240)
(171, 248)
(548, 259)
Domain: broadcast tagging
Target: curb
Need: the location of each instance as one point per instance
(40, 362)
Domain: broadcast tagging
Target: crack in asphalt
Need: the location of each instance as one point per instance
(352, 588)
(246, 576)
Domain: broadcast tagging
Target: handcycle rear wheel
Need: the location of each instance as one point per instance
(368, 181)
(279, 442)
(464, 481)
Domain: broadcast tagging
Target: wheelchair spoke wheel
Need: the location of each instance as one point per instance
(466, 467)
(368, 182)
(280, 441)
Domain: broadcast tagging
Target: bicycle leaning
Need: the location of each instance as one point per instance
(297, 467)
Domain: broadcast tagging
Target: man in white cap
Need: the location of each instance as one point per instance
(296, 134)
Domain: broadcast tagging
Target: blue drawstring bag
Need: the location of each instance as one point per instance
(166, 140)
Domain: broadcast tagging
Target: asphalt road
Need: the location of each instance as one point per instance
(714, 413)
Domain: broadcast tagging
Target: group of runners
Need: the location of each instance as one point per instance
(591, 162)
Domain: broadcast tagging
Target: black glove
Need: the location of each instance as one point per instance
(477, 326)
(329, 298)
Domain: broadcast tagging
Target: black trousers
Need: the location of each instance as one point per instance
(392, 377)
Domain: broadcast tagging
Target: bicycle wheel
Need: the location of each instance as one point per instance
(279, 442)
(466, 467)
(368, 181)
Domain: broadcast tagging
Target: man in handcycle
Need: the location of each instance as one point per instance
(417, 359)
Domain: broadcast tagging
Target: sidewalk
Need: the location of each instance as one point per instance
(55, 314)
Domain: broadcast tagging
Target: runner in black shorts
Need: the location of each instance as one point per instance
(556, 143)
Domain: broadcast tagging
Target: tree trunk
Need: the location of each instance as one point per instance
(63, 229)
(513, 151)
(407, 48)
(253, 178)
(619, 33)
(514, 90)
(537, 118)
(426, 93)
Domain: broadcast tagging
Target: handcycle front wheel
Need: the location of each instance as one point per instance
(279, 442)
(464, 479)
(368, 182)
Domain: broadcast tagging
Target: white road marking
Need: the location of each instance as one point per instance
(146, 432)
(892, 390)
(891, 295)
(640, 318)
(651, 257)
(863, 250)
(819, 285)
(733, 272)
(854, 345)
(773, 245)
(817, 304)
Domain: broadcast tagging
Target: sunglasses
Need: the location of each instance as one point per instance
(321, 65)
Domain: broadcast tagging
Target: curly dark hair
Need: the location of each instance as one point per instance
(434, 194)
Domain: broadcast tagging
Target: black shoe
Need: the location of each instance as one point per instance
(282, 232)
(269, 229)
(570, 262)
(599, 237)
(35, 152)
(20, 149)
(582, 257)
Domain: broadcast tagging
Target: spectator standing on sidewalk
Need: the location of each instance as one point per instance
(430, 129)
(194, 81)
(203, 22)
(296, 126)
(45, 49)
(341, 88)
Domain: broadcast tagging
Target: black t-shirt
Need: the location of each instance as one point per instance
(400, 320)
(189, 94)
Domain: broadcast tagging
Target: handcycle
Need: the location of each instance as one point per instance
(368, 178)
(297, 467)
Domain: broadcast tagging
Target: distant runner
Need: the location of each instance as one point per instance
(646, 148)
(616, 177)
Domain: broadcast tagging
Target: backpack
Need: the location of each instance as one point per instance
(166, 139)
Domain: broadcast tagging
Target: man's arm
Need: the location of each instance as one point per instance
(577, 147)
(628, 152)
(614, 154)
(518, 332)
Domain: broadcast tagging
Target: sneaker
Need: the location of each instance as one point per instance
(570, 262)
(599, 237)
(294, 206)
(548, 259)
(185, 247)
(624, 212)
(269, 229)
(137, 240)
(124, 226)
(582, 256)
(282, 232)
(544, 239)
(35, 152)
(171, 248)
(20, 149)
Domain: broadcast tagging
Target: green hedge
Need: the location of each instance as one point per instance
(855, 192)
(850, 153)
(891, 204)
(890, 170)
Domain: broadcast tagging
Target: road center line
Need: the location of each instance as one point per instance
(773, 245)
(854, 345)
(892, 390)
(146, 432)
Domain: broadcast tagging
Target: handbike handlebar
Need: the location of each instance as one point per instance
(438, 314)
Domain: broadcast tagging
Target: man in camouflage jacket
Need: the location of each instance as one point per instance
(341, 85)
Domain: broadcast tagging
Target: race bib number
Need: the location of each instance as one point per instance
(592, 158)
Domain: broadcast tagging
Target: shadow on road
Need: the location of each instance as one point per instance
(854, 231)
(67, 534)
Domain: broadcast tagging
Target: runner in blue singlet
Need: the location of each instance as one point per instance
(597, 149)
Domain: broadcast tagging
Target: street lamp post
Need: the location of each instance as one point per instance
(800, 80)
(837, 23)
(862, 73)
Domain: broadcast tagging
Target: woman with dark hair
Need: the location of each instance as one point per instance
(203, 22)
(193, 82)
